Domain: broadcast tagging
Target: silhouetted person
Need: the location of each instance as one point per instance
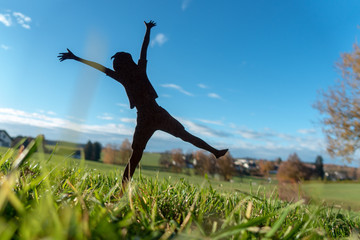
(142, 95)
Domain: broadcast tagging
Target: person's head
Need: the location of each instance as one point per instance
(122, 61)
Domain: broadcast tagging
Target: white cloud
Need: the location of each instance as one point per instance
(268, 142)
(159, 39)
(166, 95)
(219, 123)
(307, 131)
(6, 19)
(177, 87)
(51, 113)
(202, 130)
(13, 116)
(5, 47)
(22, 19)
(105, 116)
(200, 85)
(123, 105)
(128, 120)
(214, 95)
(185, 4)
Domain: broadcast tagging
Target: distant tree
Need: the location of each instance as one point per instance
(111, 154)
(88, 150)
(96, 151)
(125, 151)
(189, 159)
(319, 167)
(177, 160)
(278, 161)
(265, 167)
(340, 108)
(225, 166)
(354, 174)
(204, 164)
(293, 170)
(165, 159)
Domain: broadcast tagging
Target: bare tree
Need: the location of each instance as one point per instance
(293, 170)
(165, 159)
(125, 151)
(340, 107)
(177, 160)
(225, 166)
(265, 167)
(109, 154)
(204, 164)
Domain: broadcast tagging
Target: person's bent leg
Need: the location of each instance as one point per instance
(141, 136)
(198, 142)
(131, 166)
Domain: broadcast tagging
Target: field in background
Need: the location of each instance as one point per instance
(344, 195)
(46, 196)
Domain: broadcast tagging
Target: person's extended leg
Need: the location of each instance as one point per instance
(198, 142)
(175, 128)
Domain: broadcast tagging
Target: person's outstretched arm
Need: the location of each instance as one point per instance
(146, 41)
(70, 55)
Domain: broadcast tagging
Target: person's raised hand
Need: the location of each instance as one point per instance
(150, 24)
(66, 55)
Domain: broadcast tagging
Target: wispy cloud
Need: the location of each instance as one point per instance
(273, 140)
(105, 116)
(177, 87)
(203, 130)
(5, 19)
(219, 123)
(5, 47)
(20, 18)
(159, 40)
(214, 95)
(123, 105)
(255, 135)
(185, 4)
(307, 131)
(128, 120)
(203, 86)
(47, 112)
(13, 116)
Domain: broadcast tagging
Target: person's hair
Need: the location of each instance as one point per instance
(122, 61)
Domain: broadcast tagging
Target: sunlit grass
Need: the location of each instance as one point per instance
(42, 199)
(346, 194)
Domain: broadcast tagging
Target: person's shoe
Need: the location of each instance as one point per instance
(221, 153)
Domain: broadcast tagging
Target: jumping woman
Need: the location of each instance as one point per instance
(142, 96)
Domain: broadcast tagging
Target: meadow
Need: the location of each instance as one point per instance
(56, 197)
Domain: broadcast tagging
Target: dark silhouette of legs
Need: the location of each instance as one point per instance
(175, 128)
(198, 142)
(143, 133)
(157, 118)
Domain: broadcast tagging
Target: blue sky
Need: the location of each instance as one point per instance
(239, 74)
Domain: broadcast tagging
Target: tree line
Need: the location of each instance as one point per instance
(92, 151)
(293, 170)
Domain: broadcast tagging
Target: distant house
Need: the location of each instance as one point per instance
(246, 166)
(5, 139)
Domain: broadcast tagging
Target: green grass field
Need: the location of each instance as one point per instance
(51, 197)
(346, 195)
